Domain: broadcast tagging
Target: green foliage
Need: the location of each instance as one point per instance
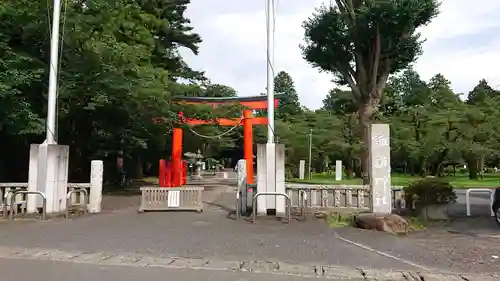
(377, 37)
(337, 219)
(361, 43)
(121, 67)
(429, 191)
(289, 105)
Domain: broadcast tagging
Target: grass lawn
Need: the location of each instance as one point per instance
(458, 181)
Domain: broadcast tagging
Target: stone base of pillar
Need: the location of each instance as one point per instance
(271, 178)
(49, 174)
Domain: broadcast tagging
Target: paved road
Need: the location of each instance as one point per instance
(214, 237)
(208, 235)
(22, 270)
(53, 264)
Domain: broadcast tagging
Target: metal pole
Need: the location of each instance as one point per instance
(310, 152)
(54, 58)
(270, 72)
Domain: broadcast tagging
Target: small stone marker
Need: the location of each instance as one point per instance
(338, 170)
(302, 169)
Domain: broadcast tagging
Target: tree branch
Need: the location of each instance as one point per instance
(381, 80)
(348, 7)
(346, 73)
(376, 60)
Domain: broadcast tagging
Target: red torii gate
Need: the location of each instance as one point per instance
(250, 104)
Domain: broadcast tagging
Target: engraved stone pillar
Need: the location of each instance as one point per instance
(95, 196)
(338, 170)
(242, 174)
(380, 169)
(302, 169)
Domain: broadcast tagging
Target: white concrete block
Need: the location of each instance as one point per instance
(52, 176)
(261, 179)
(338, 170)
(242, 174)
(31, 206)
(280, 180)
(96, 177)
(271, 174)
(302, 169)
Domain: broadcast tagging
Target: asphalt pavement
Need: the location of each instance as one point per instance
(123, 245)
(23, 270)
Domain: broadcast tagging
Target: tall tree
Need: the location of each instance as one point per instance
(481, 93)
(218, 90)
(339, 102)
(361, 43)
(289, 105)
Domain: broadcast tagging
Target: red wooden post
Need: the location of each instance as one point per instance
(162, 173)
(184, 172)
(177, 157)
(248, 144)
(168, 174)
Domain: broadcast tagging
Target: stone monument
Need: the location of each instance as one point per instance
(302, 169)
(338, 170)
(380, 169)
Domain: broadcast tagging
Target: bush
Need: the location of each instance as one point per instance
(429, 191)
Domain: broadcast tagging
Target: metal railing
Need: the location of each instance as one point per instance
(258, 194)
(13, 201)
(5, 199)
(238, 208)
(484, 190)
(79, 191)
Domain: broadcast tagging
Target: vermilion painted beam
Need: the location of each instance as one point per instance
(225, 121)
(247, 104)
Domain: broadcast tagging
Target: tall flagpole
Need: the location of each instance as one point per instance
(270, 71)
(51, 129)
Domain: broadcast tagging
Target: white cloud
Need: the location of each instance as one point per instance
(234, 47)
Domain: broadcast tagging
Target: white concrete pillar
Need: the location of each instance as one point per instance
(271, 174)
(380, 169)
(261, 179)
(31, 204)
(280, 201)
(95, 196)
(242, 174)
(52, 176)
(302, 169)
(338, 170)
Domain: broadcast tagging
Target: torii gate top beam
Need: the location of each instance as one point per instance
(253, 102)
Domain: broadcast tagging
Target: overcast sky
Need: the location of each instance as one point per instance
(463, 43)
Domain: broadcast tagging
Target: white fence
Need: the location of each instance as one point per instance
(349, 197)
(93, 188)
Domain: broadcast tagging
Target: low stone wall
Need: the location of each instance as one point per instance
(338, 197)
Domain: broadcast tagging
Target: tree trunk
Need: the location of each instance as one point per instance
(139, 167)
(472, 166)
(349, 169)
(365, 114)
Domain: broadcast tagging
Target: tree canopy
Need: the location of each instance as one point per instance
(121, 67)
(361, 43)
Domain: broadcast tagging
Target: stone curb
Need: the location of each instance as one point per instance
(267, 267)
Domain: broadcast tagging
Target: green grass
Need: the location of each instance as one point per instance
(335, 220)
(458, 181)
